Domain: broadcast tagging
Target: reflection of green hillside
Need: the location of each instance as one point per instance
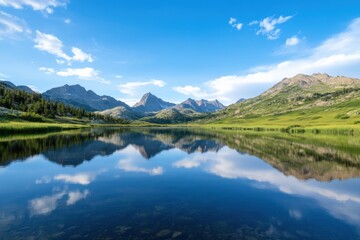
(19, 149)
(323, 157)
(305, 156)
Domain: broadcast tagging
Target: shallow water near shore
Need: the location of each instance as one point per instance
(164, 183)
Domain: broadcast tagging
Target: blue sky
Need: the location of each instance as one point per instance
(176, 49)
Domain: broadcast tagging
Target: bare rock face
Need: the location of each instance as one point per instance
(151, 103)
(200, 106)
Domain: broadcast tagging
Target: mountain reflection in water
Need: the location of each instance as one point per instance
(161, 183)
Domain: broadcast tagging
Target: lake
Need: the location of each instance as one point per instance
(178, 183)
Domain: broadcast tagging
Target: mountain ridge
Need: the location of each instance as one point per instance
(78, 96)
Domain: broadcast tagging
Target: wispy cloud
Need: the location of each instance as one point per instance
(3, 76)
(81, 56)
(47, 70)
(83, 73)
(53, 45)
(233, 22)
(12, 26)
(332, 56)
(128, 165)
(75, 196)
(268, 26)
(67, 21)
(131, 87)
(46, 6)
(293, 41)
(46, 204)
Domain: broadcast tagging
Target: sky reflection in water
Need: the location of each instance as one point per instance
(160, 184)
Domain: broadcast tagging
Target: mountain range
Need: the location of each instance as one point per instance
(153, 109)
(148, 107)
(301, 97)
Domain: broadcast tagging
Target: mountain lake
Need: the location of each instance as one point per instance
(179, 183)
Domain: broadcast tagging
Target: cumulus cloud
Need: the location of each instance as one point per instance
(334, 56)
(293, 41)
(53, 45)
(11, 26)
(268, 26)
(131, 87)
(233, 22)
(46, 6)
(82, 73)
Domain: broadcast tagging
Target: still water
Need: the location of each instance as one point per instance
(179, 184)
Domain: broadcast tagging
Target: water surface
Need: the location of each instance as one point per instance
(179, 184)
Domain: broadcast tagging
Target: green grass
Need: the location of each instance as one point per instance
(12, 127)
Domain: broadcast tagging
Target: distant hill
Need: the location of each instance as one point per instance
(240, 100)
(122, 112)
(305, 95)
(200, 106)
(151, 103)
(10, 85)
(186, 111)
(78, 96)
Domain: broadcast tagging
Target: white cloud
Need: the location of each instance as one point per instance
(295, 214)
(293, 41)
(43, 180)
(228, 163)
(80, 56)
(53, 45)
(128, 165)
(233, 22)
(11, 26)
(335, 56)
(46, 204)
(267, 26)
(3, 76)
(119, 76)
(82, 73)
(47, 70)
(132, 162)
(46, 6)
(80, 178)
(67, 21)
(238, 26)
(190, 91)
(130, 87)
(75, 196)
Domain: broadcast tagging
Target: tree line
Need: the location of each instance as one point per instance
(34, 103)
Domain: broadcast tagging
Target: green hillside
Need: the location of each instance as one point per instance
(304, 101)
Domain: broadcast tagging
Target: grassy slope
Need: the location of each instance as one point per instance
(320, 106)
